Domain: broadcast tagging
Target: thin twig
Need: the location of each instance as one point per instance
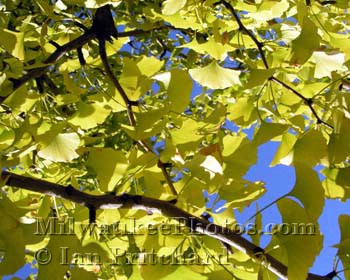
(307, 101)
(259, 45)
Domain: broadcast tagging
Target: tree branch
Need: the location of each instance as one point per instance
(307, 101)
(151, 205)
(246, 31)
(107, 25)
(259, 45)
(60, 52)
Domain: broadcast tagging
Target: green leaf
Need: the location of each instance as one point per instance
(343, 246)
(188, 133)
(300, 249)
(170, 7)
(179, 90)
(259, 76)
(308, 190)
(238, 155)
(214, 49)
(109, 165)
(240, 194)
(11, 238)
(268, 131)
(339, 142)
(326, 64)
(62, 148)
(306, 43)
(310, 148)
(214, 76)
(13, 42)
(149, 66)
(7, 136)
(284, 154)
(336, 183)
(98, 3)
(268, 10)
(242, 112)
(89, 115)
(132, 80)
(21, 100)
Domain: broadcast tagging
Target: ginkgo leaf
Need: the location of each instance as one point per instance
(179, 90)
(215, 77)
(343, 246)
(308, 189)
(325, 63)
(259, 76)
(270, 9)
(62, 148)
(149, 66)
(306, 43)
(336, 184)
(109, 165)
(299, 249)
(211, 47)
(171, 7)
(212, 165)
(13, 42)
(89, 115)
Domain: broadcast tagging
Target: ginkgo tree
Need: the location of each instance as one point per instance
(114, 121)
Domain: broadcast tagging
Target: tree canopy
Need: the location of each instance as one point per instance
(116, 116)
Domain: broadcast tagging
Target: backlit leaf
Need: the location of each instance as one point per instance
(62, 148)
(172, 6)
(215, 77)
(13, 42)
(306, 43)
(301, 249)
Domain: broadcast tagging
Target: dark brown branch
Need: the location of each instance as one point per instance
(162, 167)
(110, 74)
(60, 52)
(246, 31)
(130, 113)
(81, 56)
(109, 30)
(307, 101)
(50, 84)
(54, 57)
(151, 205)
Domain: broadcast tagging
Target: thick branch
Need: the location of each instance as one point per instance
(60, 52)
(151, 205)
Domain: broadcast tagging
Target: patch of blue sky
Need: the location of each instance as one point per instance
(291, 19)
(234, 128)
(231, 63)
(22, 273)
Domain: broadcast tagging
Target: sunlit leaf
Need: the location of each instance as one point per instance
(62, 148)
(179, 90)
(13, 42)
(215, 77)
(325, 63)
(172, 6)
